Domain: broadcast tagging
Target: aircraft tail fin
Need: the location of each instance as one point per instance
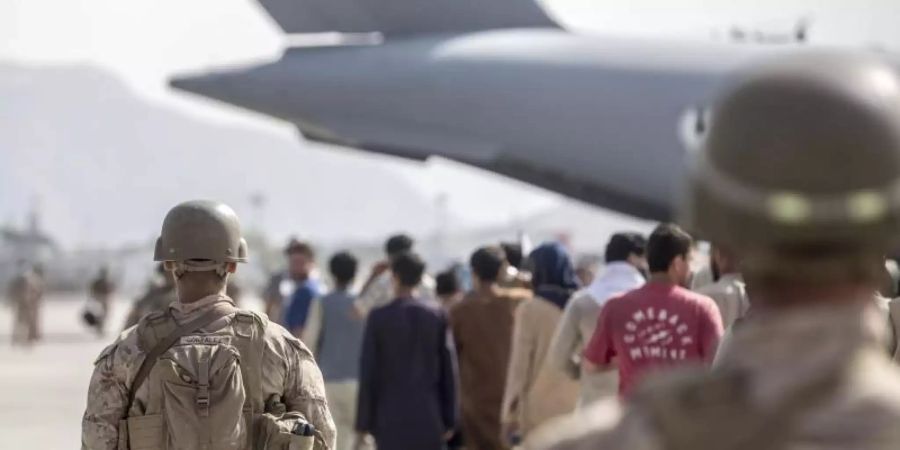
(405, 17)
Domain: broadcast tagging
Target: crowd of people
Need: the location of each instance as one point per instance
(796, 189)
(415, 362)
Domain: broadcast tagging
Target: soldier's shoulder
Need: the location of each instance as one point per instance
(122, 351)
(282, 342)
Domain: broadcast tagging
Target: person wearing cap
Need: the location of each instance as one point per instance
(201, 245)
(800, 177)
(626, 262)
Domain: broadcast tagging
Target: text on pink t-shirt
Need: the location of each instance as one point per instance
(657, 326)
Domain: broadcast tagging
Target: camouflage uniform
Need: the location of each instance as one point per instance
(288, 370)
(782, 354)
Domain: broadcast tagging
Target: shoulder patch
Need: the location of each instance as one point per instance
(246, 321)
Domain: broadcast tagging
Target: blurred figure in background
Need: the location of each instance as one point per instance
(281, 285)
(536, 392)
(301, 264)
(337, 343)
(447, 288)
(449, 292)
(661, 325)
(407, 384)
(378, 289)
(25, 294)
(515, 274)
(159, 295)
(729, 291)
(626, 262)
(101, 291)
(586, 270)
(482, 325)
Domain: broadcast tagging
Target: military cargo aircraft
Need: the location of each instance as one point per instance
(496, 84)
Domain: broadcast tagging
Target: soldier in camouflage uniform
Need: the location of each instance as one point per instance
(25, 292)
(800, 175)
(201, 244)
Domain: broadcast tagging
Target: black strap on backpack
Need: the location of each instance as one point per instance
(216, 313)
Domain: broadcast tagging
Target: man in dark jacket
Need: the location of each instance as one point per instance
(407, 392)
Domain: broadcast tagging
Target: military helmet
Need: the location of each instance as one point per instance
(802, 151)
(201, 230)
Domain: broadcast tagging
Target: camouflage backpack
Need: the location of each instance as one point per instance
(204, 391)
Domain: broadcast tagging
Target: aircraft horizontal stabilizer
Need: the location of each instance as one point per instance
(405, 17)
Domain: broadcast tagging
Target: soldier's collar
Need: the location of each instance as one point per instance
(188, 308)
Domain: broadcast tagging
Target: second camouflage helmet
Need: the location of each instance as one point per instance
(802, 151)
(201, 230)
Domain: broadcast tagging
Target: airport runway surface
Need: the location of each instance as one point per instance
(43, 389)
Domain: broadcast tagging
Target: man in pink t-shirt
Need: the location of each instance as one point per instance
(660, 325)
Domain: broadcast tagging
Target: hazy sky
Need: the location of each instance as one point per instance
(145, 41)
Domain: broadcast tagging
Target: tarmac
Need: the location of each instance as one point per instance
(43, 388)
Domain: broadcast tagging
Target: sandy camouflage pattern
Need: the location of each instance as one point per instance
(288, 370)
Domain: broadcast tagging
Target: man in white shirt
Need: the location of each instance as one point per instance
(625, 262)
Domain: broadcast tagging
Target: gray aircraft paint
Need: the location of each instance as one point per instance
(597, 118)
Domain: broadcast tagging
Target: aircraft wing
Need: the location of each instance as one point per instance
(495, 84)
(405, 17)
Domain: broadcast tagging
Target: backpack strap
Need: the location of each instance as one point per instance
(250, 330)
(217, 312)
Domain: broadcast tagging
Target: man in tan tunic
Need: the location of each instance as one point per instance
(201, 244)
(535, 391)
(482, 325)
(799, 176)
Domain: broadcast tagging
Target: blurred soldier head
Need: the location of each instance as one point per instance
(201, 243)
(487, 263)
(800, 171)
(670, 251)
(301, 259)
(343, 269)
